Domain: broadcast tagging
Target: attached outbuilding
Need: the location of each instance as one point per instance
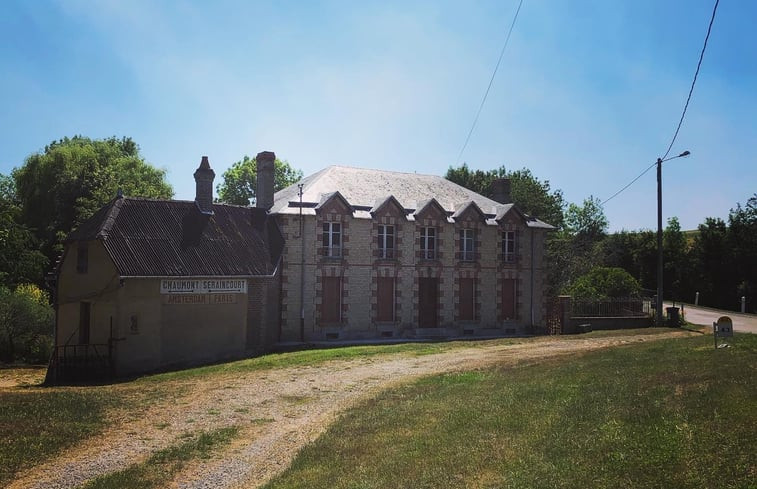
(151, 284)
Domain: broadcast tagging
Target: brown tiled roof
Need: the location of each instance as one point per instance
(147, 237)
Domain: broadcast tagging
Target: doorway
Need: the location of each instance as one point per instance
(428, 300)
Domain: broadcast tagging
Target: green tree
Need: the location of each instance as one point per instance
(240, 180)
(26, 324)
(529, 194)
(605, 282)
(65, 184)
(20, 259)
(587, 221)
(714, 261)
(676, 261)
(742, 237)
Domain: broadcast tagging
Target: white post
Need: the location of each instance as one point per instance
(743, 304)
(696, 299)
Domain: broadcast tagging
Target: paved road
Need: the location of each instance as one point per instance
(745, 323)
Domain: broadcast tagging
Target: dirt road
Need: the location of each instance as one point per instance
(279, 411)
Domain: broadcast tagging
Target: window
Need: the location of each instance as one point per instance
(508, 246)
(386, 241)
(82, 258)
(332, 239)
(428, 243)
(385, 299)
(467, 252)
(331, 300)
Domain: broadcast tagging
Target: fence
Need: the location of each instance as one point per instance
(622, 307)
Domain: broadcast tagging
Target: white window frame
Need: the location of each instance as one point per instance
(428, 243)
(508, 246)
(386, 241)
(332, 235)
(468, 244)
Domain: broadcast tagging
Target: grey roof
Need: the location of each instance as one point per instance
(363, 188)
(164, 238)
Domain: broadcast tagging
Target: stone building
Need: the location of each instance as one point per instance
(345, 254)
(378, 254)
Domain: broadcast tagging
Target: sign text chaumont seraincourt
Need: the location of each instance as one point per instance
(203, 286)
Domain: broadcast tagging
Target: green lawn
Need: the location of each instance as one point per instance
(670, 413)
(36, 423)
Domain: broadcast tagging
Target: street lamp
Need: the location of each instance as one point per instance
(658, 305)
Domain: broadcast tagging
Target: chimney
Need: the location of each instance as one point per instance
(264, 189)
(500, 190)
(204, 176)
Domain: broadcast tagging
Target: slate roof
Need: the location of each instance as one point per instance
(166, 238)
(363, 188)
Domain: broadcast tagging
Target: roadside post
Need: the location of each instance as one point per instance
(743, 304)
(723, 328)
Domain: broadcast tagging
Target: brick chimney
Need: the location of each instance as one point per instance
(500, 190)
(264, 189)
(204, 176)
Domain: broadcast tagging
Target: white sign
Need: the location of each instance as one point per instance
(724, 327)
(203, 286)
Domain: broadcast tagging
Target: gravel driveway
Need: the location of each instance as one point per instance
(279, 411)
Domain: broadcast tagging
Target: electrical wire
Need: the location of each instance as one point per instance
(696, 74)
(630, 183)
(486, 94)
(685, 107)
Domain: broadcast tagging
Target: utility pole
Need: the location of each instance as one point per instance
(658, 304)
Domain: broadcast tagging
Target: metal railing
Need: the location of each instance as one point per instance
(615, 307)
(83, 361)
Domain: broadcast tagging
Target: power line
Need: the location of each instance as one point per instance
(696, 74)
(630, 183)
(685, 107)
(486, 94)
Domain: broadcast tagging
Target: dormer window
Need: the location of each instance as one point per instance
(508, 246)
(467, 245)
(428, 243)
(386, 241)
(82, 258)
(332, 239)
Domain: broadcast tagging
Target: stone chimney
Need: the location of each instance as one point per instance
(500, 190)
(204, 176)
(264, 189)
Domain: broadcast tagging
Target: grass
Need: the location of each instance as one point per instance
(312, 357)
(670, 413)
(161, 467)
(37, 423)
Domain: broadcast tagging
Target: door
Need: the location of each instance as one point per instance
(509, 311)
(84, 321)
(331, 304)
(428, 299)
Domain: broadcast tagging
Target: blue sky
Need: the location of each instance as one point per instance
(587, 96)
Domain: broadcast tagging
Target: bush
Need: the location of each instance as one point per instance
(26, 325)
(604, 283)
